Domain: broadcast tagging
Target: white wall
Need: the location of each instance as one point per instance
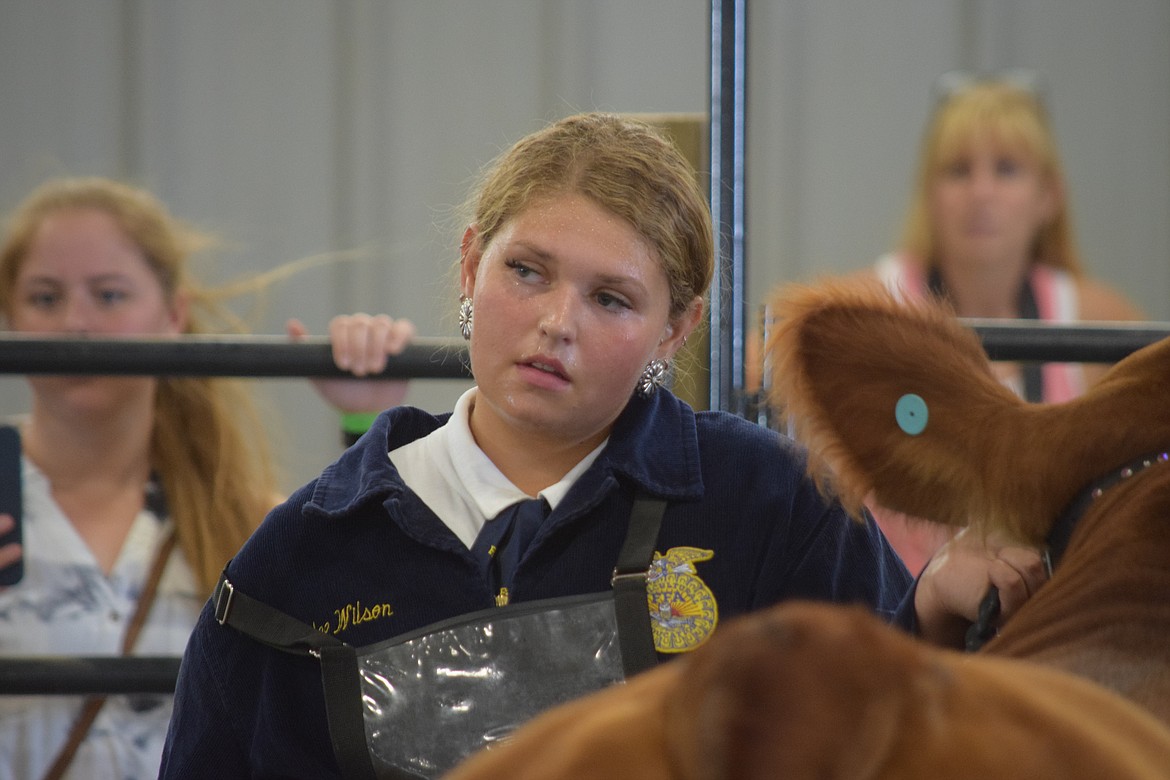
(839, 91)
(296, 127)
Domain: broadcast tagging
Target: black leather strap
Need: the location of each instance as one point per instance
(635, 635)
(984, 629)
(1062, 530)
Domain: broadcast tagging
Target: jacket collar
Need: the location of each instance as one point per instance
(653, 445)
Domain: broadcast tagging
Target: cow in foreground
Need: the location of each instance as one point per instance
(898, 401)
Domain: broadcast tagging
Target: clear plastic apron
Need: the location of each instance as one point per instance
(430, 701)
(415, 705)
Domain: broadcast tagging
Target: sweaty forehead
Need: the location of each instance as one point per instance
(569, 223)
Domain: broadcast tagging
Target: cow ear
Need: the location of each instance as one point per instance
(892, 397)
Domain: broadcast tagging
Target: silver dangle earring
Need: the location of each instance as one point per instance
(465, 314)
(653, 377)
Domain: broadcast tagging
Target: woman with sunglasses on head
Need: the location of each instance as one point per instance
(136, 490)
(582, 273)
(989, 226)
(989, 230)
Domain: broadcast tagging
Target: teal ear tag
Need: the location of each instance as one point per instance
(911, 414)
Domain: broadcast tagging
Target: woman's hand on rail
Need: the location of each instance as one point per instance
(361, 344)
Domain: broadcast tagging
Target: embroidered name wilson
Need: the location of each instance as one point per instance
(353, 615)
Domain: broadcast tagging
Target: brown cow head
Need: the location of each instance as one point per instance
(898, 398)
(816, 690)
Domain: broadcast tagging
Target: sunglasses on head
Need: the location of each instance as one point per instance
(955, 82)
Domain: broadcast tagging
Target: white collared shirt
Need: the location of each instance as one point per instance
(453, 476)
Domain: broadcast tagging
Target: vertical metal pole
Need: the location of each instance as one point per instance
(728, 307)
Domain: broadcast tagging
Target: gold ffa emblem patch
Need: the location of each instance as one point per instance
(683, 612)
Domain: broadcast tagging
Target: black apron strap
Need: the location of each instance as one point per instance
(340, 679)
(347, 727)
(266, 624)
(635, 635)
(339, 672)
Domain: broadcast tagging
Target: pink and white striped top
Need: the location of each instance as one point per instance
(1056, 299)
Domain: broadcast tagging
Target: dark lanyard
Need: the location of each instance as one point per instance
(497, 551)
(496, 571)
(628, 581)
(1028, 310)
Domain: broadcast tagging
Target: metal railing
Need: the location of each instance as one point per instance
(275, 356)
(438, 358)
(237, 356)
(82, 675)
(1083, 342)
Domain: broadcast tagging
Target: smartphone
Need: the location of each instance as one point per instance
(10, 498)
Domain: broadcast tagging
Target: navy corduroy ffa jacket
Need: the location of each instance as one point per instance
(357, 554)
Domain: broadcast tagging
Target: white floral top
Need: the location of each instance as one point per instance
(66, 605)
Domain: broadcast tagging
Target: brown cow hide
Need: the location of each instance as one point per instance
(817, 691)
(824, 691)
(846, 354)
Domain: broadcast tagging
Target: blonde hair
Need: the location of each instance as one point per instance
(208, 445)
(1012, 117)
(626, 167)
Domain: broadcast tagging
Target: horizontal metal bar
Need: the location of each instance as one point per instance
(435, 358)
(239, 356)
(1086, 342)
(84, 675)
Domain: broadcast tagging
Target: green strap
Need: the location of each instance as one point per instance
(357, 422)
